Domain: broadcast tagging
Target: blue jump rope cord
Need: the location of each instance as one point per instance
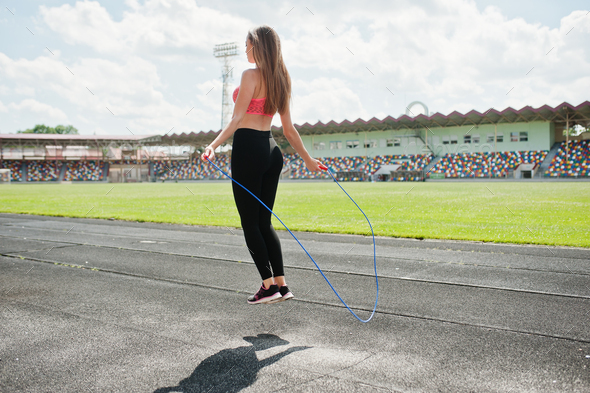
(310, 257)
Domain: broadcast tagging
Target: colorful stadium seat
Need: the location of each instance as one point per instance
(408, 162)
(485, 164)
(43, 170)
(84, 170)
(577, 162)
(15, 169)
(193, 169)
(336, 164)
(459, 165)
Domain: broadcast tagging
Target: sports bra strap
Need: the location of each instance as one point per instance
(256, 106)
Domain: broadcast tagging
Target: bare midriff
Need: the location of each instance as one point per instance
(257, 122)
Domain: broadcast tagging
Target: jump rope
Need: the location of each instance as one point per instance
(310, 257)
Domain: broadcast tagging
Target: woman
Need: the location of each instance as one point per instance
(256, 160)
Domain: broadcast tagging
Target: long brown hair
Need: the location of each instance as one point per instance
(269, 59)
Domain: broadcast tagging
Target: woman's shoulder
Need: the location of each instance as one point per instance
(251, 73)
(251, 80)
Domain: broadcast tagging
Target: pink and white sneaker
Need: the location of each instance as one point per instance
(265, 295)
(285, 295)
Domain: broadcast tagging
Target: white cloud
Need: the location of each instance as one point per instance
(130, 90)
(168, 28)
(47, 113)
(448, 54)
(451, 50)
(325, 99)
(208, 109)
(25, 91)
(436, 48)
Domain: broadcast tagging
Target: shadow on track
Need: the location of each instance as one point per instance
(231, 370)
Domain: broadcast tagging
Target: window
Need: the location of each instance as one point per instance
(500, 138)
(467, 139)
(453, 139)
(370, 144)
(475, 138)
(524, 136)
(352, 144)
(514, 137)
(445, 140)
(335, 145)
(394, 142)
(490, 138)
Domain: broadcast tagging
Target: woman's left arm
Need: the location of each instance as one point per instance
(245, 94)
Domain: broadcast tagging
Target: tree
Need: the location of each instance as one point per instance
(43, 129)
(575, 130)
(70, 130)
(38, 129)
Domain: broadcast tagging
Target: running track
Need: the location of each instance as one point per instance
(98, 305)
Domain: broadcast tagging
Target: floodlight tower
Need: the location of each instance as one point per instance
(225, 53)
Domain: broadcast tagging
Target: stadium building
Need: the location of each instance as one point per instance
(508, 143)
(525, 143)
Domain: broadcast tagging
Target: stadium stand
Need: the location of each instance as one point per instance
(485, 164)
(407, 162)
(193, 169)
(15, 167)
(210, 172)
(461, 165)
(336, 164)
(577, 163)
(43, 170)
(299, 171)
(359, 150)
(176, 169)
(405, 178)
(84, 170)
(288, 158)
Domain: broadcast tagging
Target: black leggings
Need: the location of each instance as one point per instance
(256, 163)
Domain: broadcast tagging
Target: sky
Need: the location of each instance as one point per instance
(147, 67)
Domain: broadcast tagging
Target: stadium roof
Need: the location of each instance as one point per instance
(559, 115)
(192, 138)
(42, 140)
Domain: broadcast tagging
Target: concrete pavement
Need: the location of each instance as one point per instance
(99, 305)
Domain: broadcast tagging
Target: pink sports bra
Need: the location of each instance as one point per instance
(256, 106)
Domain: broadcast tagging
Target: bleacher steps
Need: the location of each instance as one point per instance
(432, 164)
(105, 172)
(548, 158)
(62, 172)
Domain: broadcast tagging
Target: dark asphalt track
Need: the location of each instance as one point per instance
(110, 306)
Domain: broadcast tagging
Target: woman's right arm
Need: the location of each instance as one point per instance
(295, 141)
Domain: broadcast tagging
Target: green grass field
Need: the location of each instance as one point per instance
(552, 213)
